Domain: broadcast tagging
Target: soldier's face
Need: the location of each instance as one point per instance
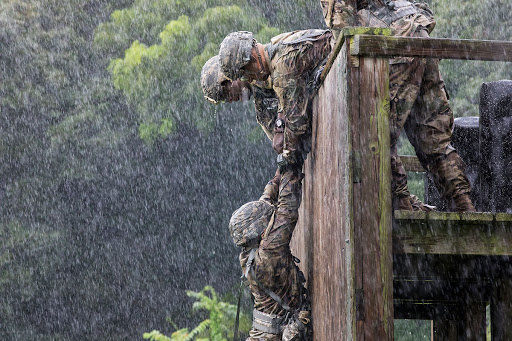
(255, 69)
(236, 91)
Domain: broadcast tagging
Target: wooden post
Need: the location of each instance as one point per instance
(372, 211)
(344, 229)
(501, 311)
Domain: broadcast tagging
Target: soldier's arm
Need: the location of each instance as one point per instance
(293, 100)
(271, 191)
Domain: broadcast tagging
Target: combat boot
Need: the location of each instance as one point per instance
(418, 205)
(463, 203)
(402, 203)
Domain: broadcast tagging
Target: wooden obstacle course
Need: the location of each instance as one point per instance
(365, 269)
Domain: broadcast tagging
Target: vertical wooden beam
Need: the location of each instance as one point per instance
(372, 209)
(473, 325)
(322, 237)
(501, 311)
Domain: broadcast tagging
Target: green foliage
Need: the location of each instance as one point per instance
(475, 20)
(412, 330)
(161, 79)
(217, 327)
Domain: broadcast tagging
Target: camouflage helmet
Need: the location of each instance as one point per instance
(235, 53)
(248, 223)
(211, 80)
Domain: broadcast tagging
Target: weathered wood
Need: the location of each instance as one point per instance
(473, 323)
(411, 310)
(349, 32)
(372, 45)
(452, 233)
(324, 222)
(375, 222)
(501, 311)
(445, 330)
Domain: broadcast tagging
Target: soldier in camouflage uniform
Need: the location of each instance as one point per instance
(264, 271)
(290, 65)
(418, 99)
(217, 88)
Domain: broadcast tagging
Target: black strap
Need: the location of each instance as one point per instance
(237, 319)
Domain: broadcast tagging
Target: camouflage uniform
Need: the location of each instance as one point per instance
(418, 101)
(293, 59)
(273, 267)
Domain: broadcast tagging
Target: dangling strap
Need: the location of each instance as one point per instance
(269, 292)
(330, 11)
(237, 319)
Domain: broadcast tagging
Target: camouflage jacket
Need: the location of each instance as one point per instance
(294, 57)
(266, 104)
(404, 20)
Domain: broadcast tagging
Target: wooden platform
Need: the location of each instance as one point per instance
(452, 268)
(452, 233)
(366, 265)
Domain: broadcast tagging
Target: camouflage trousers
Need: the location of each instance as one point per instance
(273, 265)
(419, 105)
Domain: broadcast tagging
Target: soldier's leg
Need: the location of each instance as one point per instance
(404, 84)
(274, 269)
(429, 128)
(271, 191)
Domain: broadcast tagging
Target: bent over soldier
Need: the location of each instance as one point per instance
(287, 66)
(418, 99)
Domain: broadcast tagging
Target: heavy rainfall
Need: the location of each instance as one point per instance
(118, 179)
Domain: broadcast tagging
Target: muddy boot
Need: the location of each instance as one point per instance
(418, 205)
(298, 329)
(463, 203)
(402, 203)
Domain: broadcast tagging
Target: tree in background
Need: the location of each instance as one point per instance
(475, 20)
(114, 199)
(117, 179)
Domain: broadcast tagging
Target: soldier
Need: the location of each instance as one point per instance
(218, 88)
(281, 302)
(418, 99)
(269, 269)
(290, 64)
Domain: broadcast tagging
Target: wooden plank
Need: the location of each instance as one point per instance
(324, 222)
(410, 310)
(441, 289)
(348, 32)
(445, 330)
(451, 233)
(374, 197)
(371, 45)
(473, 323)
(501, 311)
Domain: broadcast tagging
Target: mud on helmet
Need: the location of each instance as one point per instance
(211, 80)
(235, 53)
(248, 223)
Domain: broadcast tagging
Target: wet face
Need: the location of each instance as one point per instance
(255, 70)
(235, 91)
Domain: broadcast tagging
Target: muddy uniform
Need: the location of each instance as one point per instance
(266, 104)
(294, 59)
(418, 99)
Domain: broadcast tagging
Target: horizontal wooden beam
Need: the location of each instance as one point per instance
(382, 46)
(444, 289)
(404, 309)
(452, 233)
